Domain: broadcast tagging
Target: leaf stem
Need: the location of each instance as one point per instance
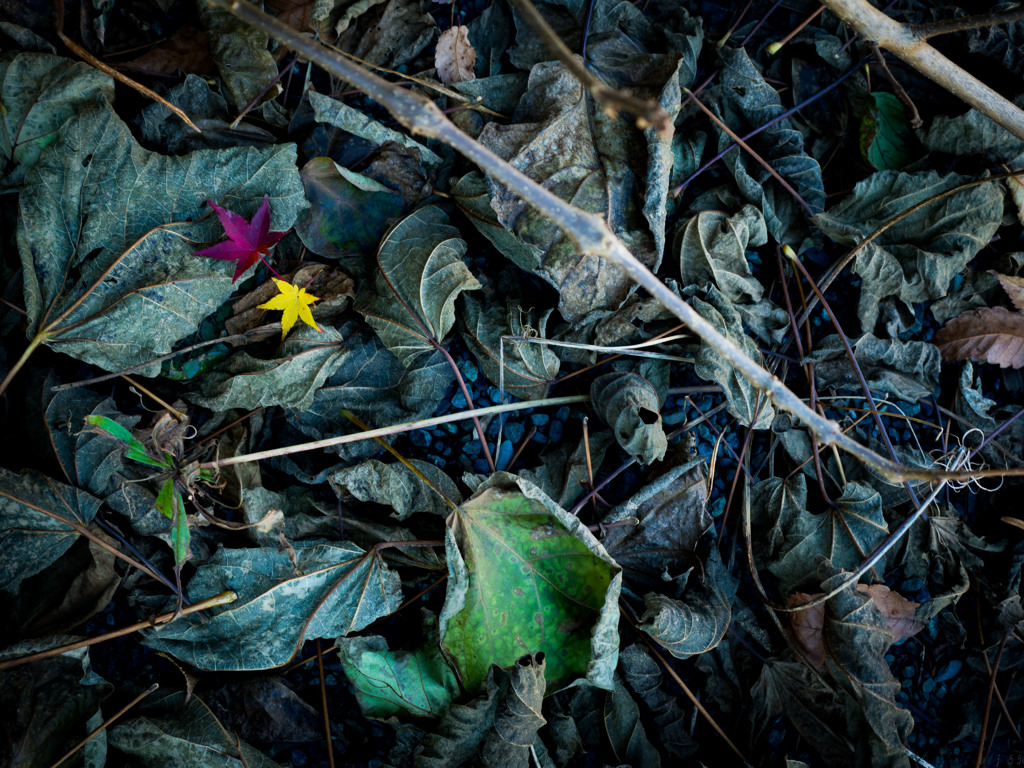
(107, 723)
(469, 402)
(394, 430)
(40, 338)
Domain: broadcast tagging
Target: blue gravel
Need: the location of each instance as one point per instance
(514, 431)
(480, 465)
(420, 438)
(504, 457)
(948, 671)
(555, 431)
(471, 447)
(459, 401)
(539, 419)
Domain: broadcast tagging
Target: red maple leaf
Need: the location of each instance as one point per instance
(248, 241)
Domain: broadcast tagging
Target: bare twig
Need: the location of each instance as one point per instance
(647, 113)
(106, 724)
(873, 25)
(964, 23)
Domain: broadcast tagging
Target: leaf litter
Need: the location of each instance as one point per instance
(548, 585)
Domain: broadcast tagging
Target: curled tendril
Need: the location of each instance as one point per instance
(963, 458)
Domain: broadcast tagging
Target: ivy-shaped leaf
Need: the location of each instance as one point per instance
(107, 234)
(329, 591)
(525, 575)
(396, 486)
(420, 274)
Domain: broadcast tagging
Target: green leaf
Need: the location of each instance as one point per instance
(714, 249)
(348, 215)
(39, 93)
(858, 637)
(32, 534)
(524, 575)
(170, 504)
(386, 683)
(628, 403)
(563, 141)
(529, 368)
(748, 102)
(885, 133)
(672, 514)
(303, 362)
(845, 534)
(907, 369)
(136, 450)
(396, 486)
(420, 275)
(741, 396)
(331, 590)
(172, 728)
(917, 258)
(696, 623)
(107, 246)
(240, 52)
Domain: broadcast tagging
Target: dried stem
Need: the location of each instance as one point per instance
(647, 113)
(106, 724)
(873, 25)
(964, 23)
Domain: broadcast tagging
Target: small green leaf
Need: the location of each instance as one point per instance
(172, 506)
(136, 450)
(525, 577)
(419, 683)
(885, 133)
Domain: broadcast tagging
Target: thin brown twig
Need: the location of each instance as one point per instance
(164, 618)
(323, 704)
(965, 23)
(901, 94)
(155, 398)
(106, 723)
(988, 699)
(647, 113)
(775, 47)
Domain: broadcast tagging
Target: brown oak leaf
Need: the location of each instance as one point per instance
(455, 56)
(990, 334)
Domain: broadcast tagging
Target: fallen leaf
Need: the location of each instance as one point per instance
(455, 56)
(806, 627)
(1014, 287)
(900, 613)
(990, 335)
(248, 240)
(294, 302)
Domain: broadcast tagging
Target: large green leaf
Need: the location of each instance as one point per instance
(32, 534)
(526, 576)
(329, 591)
(421, 273)
(174, 729)
(419, 683)
(304, 361)
(39, 93)
(628, 403)
(845, 534)
(748, 102)
(529, 368)
(107, 232)
(916, 258)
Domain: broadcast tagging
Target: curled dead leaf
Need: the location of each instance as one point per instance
(990, 335)
(455, 56)
(1014, 287)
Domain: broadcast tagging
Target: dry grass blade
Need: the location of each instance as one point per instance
(990, 334)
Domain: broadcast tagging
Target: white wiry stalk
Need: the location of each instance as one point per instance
(588, 232)
(913, 48)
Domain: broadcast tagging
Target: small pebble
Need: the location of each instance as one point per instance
(912, 585)
(504, 457)
(948, 671)
(928, 686)
(469, 371)
(480, 465)
(420, 438)
(459, 401)
(539, 419)
(514, 431)
(471, 447)
(555, 431)
(562, 413)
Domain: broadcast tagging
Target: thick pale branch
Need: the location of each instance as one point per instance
(588, 232)
(912, 47)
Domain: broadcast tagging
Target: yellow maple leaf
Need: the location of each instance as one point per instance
(294, 302)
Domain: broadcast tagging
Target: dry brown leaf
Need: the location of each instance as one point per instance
(899, 613)
(1015, 186)
(807, 626)
(990, 335)
(455, 56)
(185, 51)
(1014, 287)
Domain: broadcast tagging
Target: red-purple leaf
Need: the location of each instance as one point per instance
(990, 334)
(248, 240)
